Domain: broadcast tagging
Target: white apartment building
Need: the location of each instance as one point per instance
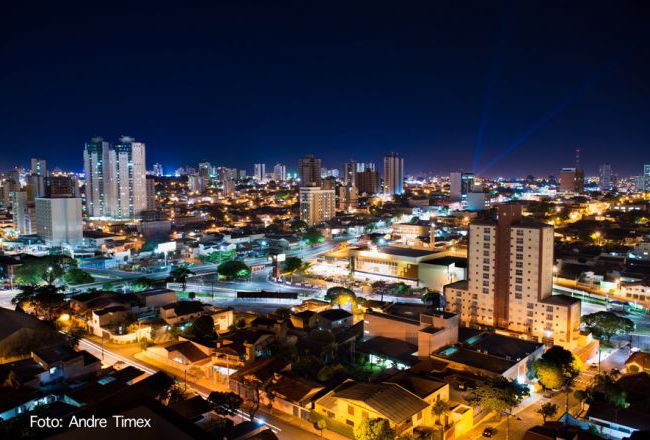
(510, 276)
(115, 178)
(316, 205)
(58, 220)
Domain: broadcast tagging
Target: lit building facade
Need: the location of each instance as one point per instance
(115, 178)
(509, 286)
(316, 205)
(59, 221)
(393, 174)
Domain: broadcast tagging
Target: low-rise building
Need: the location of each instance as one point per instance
(183, 311)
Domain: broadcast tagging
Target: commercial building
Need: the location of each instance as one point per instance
(572, 180)
(605, 178)
(151, 193)
(316, 205)
(645, 179)
(393, 174)
(59, 221)
(23, 210)
(509, 285)
(280, 172)
(115, 178)
(259, 172)
(309, 168)
(62, 185)
(460, 184)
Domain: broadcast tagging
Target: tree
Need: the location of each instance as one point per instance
(432, 299)
(331, 373)
(340, 296)
(252, 402)
(77, 276)
(299, 226)
(312, 236)
(500, 395)
(374, 429)
(604, 325)
(557, 369)
(320, 425)
(607, 324)
(141, 284)
(203, 326)
(292, 264)
(605, 387)
(440, 408)
(233, 269)
(547, 410)
(282, 312)
(43, 301)
(179, 274)
(225, 403)
(171, 394)
(34, 270)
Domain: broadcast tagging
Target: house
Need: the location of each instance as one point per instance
(304, 320)
(182, 354)
(196, 409)
(223, 318)
(292, 394)
(352, 402)
(617, 423)
(245, 344)
(155, 298)
(85, 303)
(20, 332)
(62, 362)
(315, 305)
(335, 318)
(107, 316)
(252, 378)
(183, 311)
(638, 362)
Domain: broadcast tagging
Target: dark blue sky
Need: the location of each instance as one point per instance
(241, 81)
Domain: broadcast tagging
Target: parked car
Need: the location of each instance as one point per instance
(489, 432)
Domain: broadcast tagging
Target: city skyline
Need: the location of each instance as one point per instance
(481, 90)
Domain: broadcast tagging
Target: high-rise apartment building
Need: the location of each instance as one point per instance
(510, 280)
(460, 184)
(259, 172)
(62, 185)
(39, 167)
(393, 174)
(309, 170)
(316, 205)
(157, 170)
(367, 182)
(59, 221)
(280, 172)
(348, 198)
(152, 204)
(605, 181)
(205, 170)
(23, 211)
(228, 187)
(115, 178)
(645, 179)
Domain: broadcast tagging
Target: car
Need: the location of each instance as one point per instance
(489, 432)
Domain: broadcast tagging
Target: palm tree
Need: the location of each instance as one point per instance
(440, 408)
(432, 299)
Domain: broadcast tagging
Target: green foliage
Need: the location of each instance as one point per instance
(306, 366)
(172, 394)
(556, 368)
(44, 301)
(225, 403)
(332, 373)
(607, 324)
(500, 395)
(374, 429)
(282, 312)
(321, 336)
(604, 387)
(233, 269)
(220, 256)
(31, 341)
(400, 289)
(76, 276)
(340, 296)
(35, 270)
(292, 264)
(203, 326)
(440, 408)
(141, 284)
(299, 226)
(180, 274)
(312, 236)
(547, 410)
(432, 300)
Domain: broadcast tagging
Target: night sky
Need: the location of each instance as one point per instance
(501, 88)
